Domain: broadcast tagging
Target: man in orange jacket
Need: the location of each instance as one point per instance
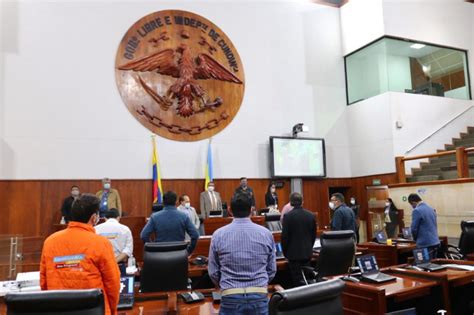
(78, 258)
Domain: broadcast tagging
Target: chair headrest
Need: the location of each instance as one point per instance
(309, 294)
(54, 300)
(165, 246)
(467, 225)
(337, 234)
(272, 217)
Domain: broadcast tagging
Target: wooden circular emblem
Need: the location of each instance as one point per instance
(179, 75)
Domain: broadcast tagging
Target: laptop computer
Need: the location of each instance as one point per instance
(215, 213)
(126, 292)
(406, 231)
(370, 270)
(279, 251)
(381, 237)
(422, 260)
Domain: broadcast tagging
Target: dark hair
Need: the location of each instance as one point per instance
(242, 178)
(181, 198)
(112, 213)
(414, 198)
(169, 198)
(74, 186)
(339, 197)
(392, 205)
(296, 199)
(84, 207)
(241, 204)
(270, 186)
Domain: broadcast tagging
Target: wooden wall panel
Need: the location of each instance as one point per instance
(31, 207)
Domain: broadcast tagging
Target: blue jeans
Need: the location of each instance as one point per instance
(244, 304)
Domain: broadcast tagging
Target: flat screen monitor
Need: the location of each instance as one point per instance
(297, 157)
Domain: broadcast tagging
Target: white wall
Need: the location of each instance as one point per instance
(62, 117)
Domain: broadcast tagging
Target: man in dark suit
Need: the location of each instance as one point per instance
(246, 190)
(297, 238)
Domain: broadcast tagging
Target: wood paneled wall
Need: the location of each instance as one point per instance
(31, 207)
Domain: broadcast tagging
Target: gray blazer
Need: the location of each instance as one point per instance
(206, 204)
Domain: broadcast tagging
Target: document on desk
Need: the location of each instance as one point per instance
(460, 267)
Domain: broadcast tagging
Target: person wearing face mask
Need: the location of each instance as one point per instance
(246, 190)
(78, 258)
(391, 213)
(356, 208)
(424, 227)
(67, 203)
(185, 207)
(109, 198)
(210, 200)
(271, 197)
(343, 217)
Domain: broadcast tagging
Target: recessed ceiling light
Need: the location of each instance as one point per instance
(417, 46)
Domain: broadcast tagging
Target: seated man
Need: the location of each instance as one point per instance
(78, 258)
(119, 235)
(169, 224)
(242, 261)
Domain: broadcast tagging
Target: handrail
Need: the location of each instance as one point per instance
(462, 162)
(437, 130)
(424, 156)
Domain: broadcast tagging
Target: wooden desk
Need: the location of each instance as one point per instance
(377, 299)
(470, 257)
(388, 255)
(455, 283)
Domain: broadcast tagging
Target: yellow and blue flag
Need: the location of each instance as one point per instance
(208, 170)
(157, 189)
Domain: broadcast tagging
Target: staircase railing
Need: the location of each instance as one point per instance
(440, 128)
(462, 162)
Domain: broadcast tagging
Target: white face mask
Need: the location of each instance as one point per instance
(332, 205)
(187, 204)
(75, 193)
(353, 201)
(107, 186)
(272, 190)
(387, 204)
(210, 188)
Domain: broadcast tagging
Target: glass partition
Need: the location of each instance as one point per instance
(19, 254)
(399, 65)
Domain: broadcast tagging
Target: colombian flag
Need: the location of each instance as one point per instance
(157, 190)
(208, 170)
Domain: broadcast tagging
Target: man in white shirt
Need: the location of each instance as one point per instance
(210, 201)
(185, 207)
(118, 234)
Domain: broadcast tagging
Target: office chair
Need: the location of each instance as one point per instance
(319, 298)
(165, 267)
(272, 222)
(466, 242)
(57, 302)
(336, 255)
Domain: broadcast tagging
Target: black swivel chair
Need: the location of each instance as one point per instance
(272, 222)
(466, 242)
(165, 267)
(56, 302)
(337, 253)
(319, 298)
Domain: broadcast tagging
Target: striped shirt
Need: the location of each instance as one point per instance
(242, 255)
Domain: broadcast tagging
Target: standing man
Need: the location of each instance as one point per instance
(78, 258)
(424, 226)
(109, 198)
(297, 238)
(169, 224)
(119, 235)
(185, 207)
(242, 261)
(356, 209)
(67, 203)
(245, 189)
(210, 200)
(343, 217)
